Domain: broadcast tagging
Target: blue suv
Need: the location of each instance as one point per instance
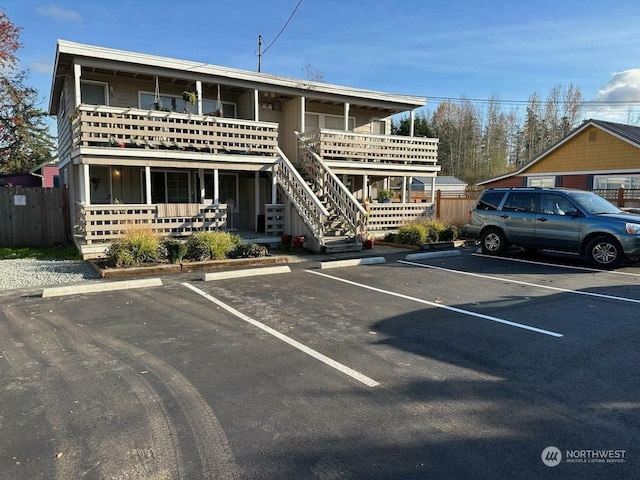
(555, 219)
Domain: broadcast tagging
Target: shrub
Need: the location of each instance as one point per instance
(248, 250)
(173, 250)
(137, 246)
(210, 245)
(412, 234)
(450, 233)
(391, 237)
(421, 231)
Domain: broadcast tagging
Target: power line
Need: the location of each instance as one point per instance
(262, 52)
(594, 103)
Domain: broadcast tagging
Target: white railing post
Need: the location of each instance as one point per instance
(147, 183)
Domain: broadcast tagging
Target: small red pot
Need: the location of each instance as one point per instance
(298, 241)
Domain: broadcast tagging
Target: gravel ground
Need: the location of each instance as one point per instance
(16, 274)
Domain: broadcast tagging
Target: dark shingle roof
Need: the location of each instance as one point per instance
(628, 132)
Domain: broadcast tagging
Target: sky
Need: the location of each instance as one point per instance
(476, 49)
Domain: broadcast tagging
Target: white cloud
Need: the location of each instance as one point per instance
(622, 87)
(619, 99)
(59, 14)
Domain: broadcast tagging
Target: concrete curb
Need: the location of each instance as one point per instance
(100, 287)
(434, 254)
(248, 272)
(352, 262)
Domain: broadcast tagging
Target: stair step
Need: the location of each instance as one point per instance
(339, 247)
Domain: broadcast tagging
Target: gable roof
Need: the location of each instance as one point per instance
(140, 63)
(627, 133)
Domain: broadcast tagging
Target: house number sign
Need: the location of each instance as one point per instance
(20, 200)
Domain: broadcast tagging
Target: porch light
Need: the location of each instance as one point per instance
(116, 172)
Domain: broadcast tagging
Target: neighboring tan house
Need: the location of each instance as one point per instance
(184, 146)
(597, 156)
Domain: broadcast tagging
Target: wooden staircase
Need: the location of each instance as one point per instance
(324, 204)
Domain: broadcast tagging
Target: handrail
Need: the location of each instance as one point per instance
(337, 193)
(311, 210)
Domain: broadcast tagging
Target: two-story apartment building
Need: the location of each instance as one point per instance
(181, 146)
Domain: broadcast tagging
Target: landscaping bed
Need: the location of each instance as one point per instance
(165, 268)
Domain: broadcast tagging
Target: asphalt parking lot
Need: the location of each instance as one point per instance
(457, 367)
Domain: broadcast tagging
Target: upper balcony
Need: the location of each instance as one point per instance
(341, 149)
(113, 127)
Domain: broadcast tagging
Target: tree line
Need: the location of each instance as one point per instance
(481, 141)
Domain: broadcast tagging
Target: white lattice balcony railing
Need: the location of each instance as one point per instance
(390, 216)
(105, 223)
(101, 126)
(360, 147)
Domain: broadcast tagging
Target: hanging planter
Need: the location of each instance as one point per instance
(189, 97)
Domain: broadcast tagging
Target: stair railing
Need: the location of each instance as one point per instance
(306, 203)
(335, 192)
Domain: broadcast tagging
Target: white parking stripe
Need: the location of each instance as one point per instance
(519, 282)
(546, 264)
(294, 343)
(445, 307)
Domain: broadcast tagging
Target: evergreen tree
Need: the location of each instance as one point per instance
(24, 137)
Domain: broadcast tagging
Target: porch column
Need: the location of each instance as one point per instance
(216, 187)
(256, 192)
(404, 189)
(346, 116)
(147, 183)
(77, 71)
(85, 190)
(365, 187)
(199, 93)
(256, 105)
(303, 107)
(433, 189)
(412, 123)
(274, 185)
(203, 192)
(409, 192)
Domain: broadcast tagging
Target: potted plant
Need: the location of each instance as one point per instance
(189, 97)
(385, 195)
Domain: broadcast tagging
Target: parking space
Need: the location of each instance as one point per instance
(433, 368)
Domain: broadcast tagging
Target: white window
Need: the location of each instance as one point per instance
(93, 93)
(170, 186)
(167, 103)
(614, 182)
(209, 107)
(543, 182)
(314, 121)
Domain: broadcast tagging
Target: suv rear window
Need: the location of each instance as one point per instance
(489, 201)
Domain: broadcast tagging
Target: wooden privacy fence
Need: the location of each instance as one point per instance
(453, 206)
(33, 217)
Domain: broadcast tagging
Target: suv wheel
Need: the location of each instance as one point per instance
(604, 252)
(492, 242)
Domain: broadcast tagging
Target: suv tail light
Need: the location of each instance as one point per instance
(469, 217)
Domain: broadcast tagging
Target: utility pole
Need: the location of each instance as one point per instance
(259, 53)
